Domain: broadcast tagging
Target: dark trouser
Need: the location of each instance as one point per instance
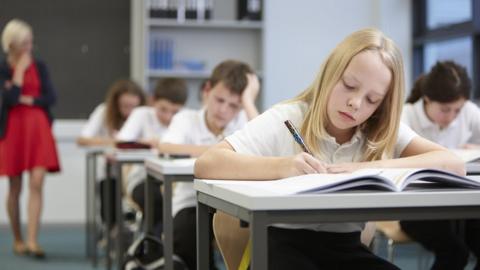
(310, 250)
(138, 196)
(103, 200)
(185, 237)
(442, 237)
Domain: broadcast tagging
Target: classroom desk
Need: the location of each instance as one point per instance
(262, 208)
(473, 168)
(168, 172)
(91, 229)
(117, 159)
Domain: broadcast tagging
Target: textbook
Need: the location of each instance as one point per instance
(366, 179)
(468, 155)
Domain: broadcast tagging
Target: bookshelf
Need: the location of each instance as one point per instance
(193, 47)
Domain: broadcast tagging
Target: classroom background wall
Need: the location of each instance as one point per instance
(298, 36)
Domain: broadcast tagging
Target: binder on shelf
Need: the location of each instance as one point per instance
(161, 53)
(158, 8)
(249, 10)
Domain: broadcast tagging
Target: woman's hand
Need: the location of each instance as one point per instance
(303, 163)
(26, 100)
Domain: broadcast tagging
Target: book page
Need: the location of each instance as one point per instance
(313, 182)
(468, 155)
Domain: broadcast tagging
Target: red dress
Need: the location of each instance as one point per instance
(28, 140)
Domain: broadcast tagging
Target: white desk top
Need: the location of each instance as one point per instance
(131, 155)
(473, 167)
(182, 166)
(98, 148)
(256, 199)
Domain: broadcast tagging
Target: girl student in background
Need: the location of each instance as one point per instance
(26, 139)
(108, 118)
(147, 125)
(350, 119)
(104, 123)
(439, 110)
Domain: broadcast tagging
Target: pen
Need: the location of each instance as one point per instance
(297, 136)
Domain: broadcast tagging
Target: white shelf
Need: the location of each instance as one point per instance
(185, 74)
(207, 24)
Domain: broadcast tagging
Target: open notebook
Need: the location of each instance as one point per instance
(468, 155)
(368, 179)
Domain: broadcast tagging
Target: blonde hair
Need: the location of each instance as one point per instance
(381, 129)
(15, 31)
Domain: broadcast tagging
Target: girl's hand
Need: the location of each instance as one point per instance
(346, 167)
(304, 163)
(26, 100)
(470, 146)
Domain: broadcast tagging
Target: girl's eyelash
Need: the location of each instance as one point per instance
(347, 86)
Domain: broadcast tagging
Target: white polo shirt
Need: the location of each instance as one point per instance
(266, 135)
(464, 129)
(189, 127)
(142, 123)
(96, 125)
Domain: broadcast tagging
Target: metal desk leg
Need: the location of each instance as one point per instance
(203, 236)
(93, 203)
(149, 205)
(259, 238)
(168, 222)
(107, 194)
(119, 213)
(88, 225)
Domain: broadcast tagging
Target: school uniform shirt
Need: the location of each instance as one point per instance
(190, 127)
(142, 123)
(266, 135)
(465, 128)
(96, 125)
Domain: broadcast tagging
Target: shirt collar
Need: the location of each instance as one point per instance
(425, 122)
(357, 137)
(206, 132)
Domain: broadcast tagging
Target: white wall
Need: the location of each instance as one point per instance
(64, 192)
(300, 34)
(297, 39)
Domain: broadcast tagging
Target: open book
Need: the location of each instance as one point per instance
(468, 155)
(366, 179)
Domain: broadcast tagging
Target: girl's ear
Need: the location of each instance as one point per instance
(426, 99)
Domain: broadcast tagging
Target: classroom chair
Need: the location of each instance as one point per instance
(231, 239)
(394, 234)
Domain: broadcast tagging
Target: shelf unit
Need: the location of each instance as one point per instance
(208, 41)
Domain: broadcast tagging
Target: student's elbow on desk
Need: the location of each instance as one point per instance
(210, 163)
(204, 165)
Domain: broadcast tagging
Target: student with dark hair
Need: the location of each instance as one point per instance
(440, 111)
(147, 125)
(229, 102)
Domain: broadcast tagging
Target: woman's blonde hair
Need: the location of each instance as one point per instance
(15, 31)
(381, 129)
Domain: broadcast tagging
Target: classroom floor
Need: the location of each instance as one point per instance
(65, 248)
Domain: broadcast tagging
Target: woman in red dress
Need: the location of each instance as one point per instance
(26, 140)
